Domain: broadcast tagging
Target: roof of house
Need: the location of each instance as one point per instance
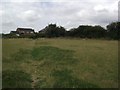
(25, 29)
(13, 32)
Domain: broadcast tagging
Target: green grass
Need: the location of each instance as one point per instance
(63, 63)
(63, 78)
(16, 79)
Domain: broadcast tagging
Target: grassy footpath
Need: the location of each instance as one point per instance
(52, 63)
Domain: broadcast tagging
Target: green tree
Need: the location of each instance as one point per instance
(52, 30)
(113, 30)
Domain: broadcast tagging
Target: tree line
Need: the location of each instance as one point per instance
(83, 31)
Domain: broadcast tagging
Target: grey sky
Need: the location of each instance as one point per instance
(68, 13)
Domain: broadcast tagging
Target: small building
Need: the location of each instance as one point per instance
(25, 31)
(13, 32)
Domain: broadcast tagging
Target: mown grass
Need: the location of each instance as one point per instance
(52, 63)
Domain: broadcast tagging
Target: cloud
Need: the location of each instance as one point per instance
(20, 1)
(8, 24)
(100, 8)
(119, 11)
(68, 13)
(1, 13)
(29, 16)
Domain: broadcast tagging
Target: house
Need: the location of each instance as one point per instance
(42, 31)
(13, 32)
(25, 31)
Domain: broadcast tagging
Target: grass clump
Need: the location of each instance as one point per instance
(64, 79)
(22, 55)
(52, 53)
(15, 79)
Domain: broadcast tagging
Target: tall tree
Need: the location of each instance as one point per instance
(113, 30)
(52, 30)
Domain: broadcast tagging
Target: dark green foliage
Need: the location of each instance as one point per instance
(15, 79)
(39, 35)
(114, 30)
(88, 32)
(64, 79)
(53, 31)
(9, 36)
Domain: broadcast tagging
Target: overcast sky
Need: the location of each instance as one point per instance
(37, 14)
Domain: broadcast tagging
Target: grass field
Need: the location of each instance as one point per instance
(59, 63)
